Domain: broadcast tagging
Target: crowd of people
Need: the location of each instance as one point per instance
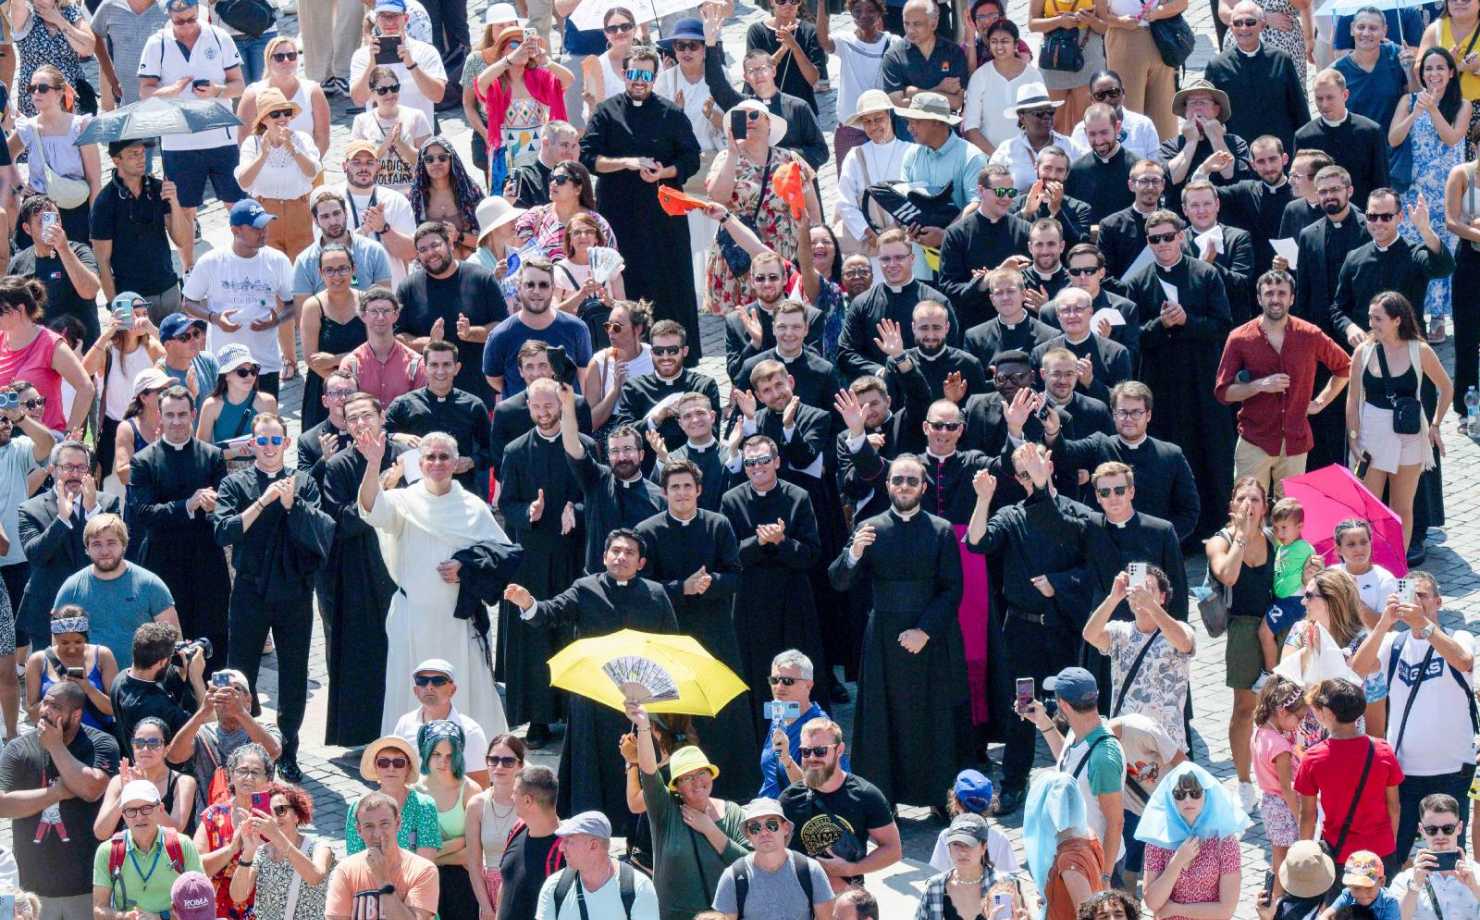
(1076, 317)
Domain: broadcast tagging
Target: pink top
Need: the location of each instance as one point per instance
(1198, 883)
(401, 372)
(1270, 743)
(543, 87)
(33, 365)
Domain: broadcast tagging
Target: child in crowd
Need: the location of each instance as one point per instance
(972, 794)
(1291, 553)
(1276, 717)
(1363, 879)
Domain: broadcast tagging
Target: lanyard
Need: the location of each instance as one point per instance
(133, 855)
(355, 212)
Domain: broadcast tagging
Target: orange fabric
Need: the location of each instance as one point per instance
(1082, 855)
(415, 879)
(789, 185)
(676, 204)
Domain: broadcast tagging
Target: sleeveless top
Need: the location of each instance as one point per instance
(59, 150)
(303, 121)
(1469, 202)
(612, 79)
(454, 821)
(235, 419)
(32, 363)
(1375, 394)
(1469, 84)
(1253, 592)
(91, 715)
(118, 386)
(494, 831)
(140, 442)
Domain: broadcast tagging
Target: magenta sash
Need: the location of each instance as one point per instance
(972, 615)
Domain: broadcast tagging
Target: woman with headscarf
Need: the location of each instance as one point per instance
(1191, 827)
(444, 777)
(443, 190)
(1064, 855)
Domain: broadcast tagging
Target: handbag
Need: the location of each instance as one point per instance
(732, 252)
(67, 192)
(250, 17)
(1400, 159)
(1214, 605)
(1063, 50)
(1407, 410)
(1174, 40)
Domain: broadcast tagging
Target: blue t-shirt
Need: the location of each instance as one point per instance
(372, 264)
(1404, 25)
(117, 606)
(501, 351)
(773, 774)
(207, 369)
(1386, 907)
(1375, 94)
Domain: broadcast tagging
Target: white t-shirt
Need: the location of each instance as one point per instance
(604, 902)
(1439, 738)
(988, 94)
(214, 54)
(17, 460)
(1375, 586)
(474, 738)
(695, 94)
(999, 851)
(252, 287)
(280, 176)
(861, 68)
(427, 59)
(398, 216)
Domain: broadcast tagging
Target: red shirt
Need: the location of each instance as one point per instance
(401, 372)
(32, 364)
(1271, 420)
(1330, 771)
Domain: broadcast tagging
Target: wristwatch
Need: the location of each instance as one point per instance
(1426, 631)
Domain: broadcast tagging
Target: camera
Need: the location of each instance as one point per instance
(183, 650)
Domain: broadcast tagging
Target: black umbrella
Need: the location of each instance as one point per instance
(157, 116)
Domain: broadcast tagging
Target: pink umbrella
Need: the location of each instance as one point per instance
(1331, 495)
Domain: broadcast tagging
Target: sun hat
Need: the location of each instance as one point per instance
(870, 102)
(375, 748)
(139, 790)
(233, 355)
(686, 760)
(1031, 96)
(762, 808)
(493, 212)
(1179, 101)
(151, 378)
(272, 100)
(777, 123)
(929, 107)
(1307, 871)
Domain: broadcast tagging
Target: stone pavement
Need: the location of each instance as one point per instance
(332, 773)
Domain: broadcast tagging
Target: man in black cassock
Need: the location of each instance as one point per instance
(1267, 85)
(636, 141)
(700, 448)
(440, 406)
(894, 298)
(1123, 233)
(1048, 198)
(1012, 329)
(981, 240)
(279, 538)
(1100, 361)
(614, 496)
(749, 330)
(354, 588)
(1353, 141)
(591, 776)
(776, 528)
(1257, 205)
(171, 493)
(815, 377)
(907, 729)
(694, 555)
(321, 442)
(1101, 177)
(1387, 262)
(511, 415)
(1228, 249)
(937, 359)
(1086, 266)
(538, 495)
(1304, 207)
(647, 400)
(1059, 371)
(873, 434)
(1186, 321)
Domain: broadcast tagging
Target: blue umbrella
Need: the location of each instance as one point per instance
(155, 117)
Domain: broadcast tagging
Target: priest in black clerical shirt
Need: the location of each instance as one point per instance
(511, 413)
(815, 377)
(647, 399)
(694, 555)
(1101, 178)
(439, 406)
(1044, 275)
(598, 605)
(615, 496)
(700, 448)
(1257, 205)
(980, 241)
(988, 417)
(908, 728)
(1046, 198)
(1013, 328)
(1101, 362)
(893, 298)
(1267, 86)
(1228, 249)
(872, 436)
(1086, 267)
(936, 359)
(1353, 141)
(538, 496)
(171, 493)
(1388, 262)
(1186, 320)
(1123, 234)
(1323, 248)
(748, 330)
(321, 442)
(1119, 534)
(1079, 415)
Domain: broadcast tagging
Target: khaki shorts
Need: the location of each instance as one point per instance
(1249, 459)
(1242, 659)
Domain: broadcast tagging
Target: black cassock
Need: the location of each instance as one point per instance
(591, 774)
(654, 246)
(774, 608)
(551, 562)
(354, 592)
(610, 503)
(907, 733)
(1179, 363)
(711, 464)
(176, 545)
(675, 551)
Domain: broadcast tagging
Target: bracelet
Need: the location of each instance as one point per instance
(244, 863)
(410, 67)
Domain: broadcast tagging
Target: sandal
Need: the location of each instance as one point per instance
(1436, 330)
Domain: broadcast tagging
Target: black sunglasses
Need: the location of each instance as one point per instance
(1431, 830)
(391, 763)
(283, 57)
(1104, 94)
(910, 481)
(762, 461)
(944, 426)
(439, 158)
(618, 28)
(494, 760)
(245, 372)
(819, 751)
(770, 824)
(1193, 793)
(1083, 272)
(386, 89)
(1381, 218)
(1161, 237)
(783, 681)
(561, 178)
(1107, 491)
(432, 680)
(664, 350)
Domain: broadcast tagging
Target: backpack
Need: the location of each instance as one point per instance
(117, 848)
(742, 880)
(626, 887)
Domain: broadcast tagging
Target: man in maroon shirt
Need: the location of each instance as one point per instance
(1269, 366)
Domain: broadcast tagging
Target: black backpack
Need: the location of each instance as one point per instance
(742, 880)
(626, 887)
(250, 17)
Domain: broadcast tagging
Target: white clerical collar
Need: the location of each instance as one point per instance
(904, 515)
(705, 446)
(937, 457)
(685, 521)
(1248, 54)
(1382, 248)
(659, 375)
(1284, 181)
(1007, 325)
(1040, 273)
(929, 357)
(1135, 206)
(759, 492)
(181, 446)
(1087, 336)
(786, 357)
(629, 483)
(622, 582)
(549, 438)
(1113, 154)
(1133, 444)
(893, 289)
(1120, 525)
(1335, 124)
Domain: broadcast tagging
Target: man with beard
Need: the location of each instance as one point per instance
(938, 362)
(119, 596)
(1268, 84)
(647, 400)
(537, 498)
(279, 539)
(49, 530)
(1187, 321)
(615, 496)
(1354, 142)
(791, 326)
(558, 141)
(701, 448)
(440, 406)
(171, 494)
(1257, 205)
(1228, 249)
(318, 445)
(1133, 130)
(372, 265)
(1387, 262)
(1304, 208)
(1167, 487)
(873, 435)
(894, 298)
(537, 319)
(1123, 234)
(1100, 362)
(636, 141)
(1013, 328)
(979, 241)
(907, 731)
(694, 556)
(1080, 415)
(1086, 266)
(591, 779)
(1040, 541)
(511, 416)
(460, 302)
(750, 329)
(1269, 369)
(354, 588)
(1101, 178)
(384, 366)
(376, 212)
(1047, 200)
(1044, 275)
(776, 528)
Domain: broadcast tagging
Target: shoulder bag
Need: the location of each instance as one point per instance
(1351, 812)
(1407, 410)
(67, 192)
(732, 252)
(250, 17)
(1063, 49)
(1174, 40)
(1131, 672)
(1215, 600)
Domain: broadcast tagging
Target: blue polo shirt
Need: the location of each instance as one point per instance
(1375, 94)
(773, 774)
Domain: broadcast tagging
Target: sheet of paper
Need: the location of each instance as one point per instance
(1213, 235)
(1170, 290)
(1288, 249)
(1110, 314)
(1142, 260)
(411, 465)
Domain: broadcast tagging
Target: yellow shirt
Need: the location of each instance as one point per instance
(1469, 83)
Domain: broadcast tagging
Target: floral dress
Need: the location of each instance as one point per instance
(1432, 161)
(419, 827)
(774, 226)
(275, 875)
(219, 832)
(542, 225)
(1291, 42)
(40, 44)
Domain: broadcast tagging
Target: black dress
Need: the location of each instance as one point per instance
(336, 339)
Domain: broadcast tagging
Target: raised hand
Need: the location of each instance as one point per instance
(789, 414)
(750, 319)
(863, 538)
(890, 340)
(955, 387)
(851, 410)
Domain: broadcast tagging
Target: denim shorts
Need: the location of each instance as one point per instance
(189, 169)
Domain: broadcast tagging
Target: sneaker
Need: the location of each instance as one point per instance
(334, 86)
(1248, 796)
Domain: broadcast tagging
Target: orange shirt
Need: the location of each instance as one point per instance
(415, 879)
(1083, 855)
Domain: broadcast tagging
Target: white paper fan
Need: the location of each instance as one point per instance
(604, 262)
(640, 679)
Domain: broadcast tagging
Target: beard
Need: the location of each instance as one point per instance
(109, 565)
(625, 469)
(1333, 207)
(816, 777)
(903, 503)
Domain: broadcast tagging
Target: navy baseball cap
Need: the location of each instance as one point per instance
(176, 325)
(248, 213)
(1075, 686)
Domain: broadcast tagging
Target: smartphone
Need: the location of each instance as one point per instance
(1447, 861)
(48, 220)
(1044, 411)
(1023, 693)
(738, 121)
(531, 35)
(781, 710)
(199, 84)
(7, 907)
(1405, 590)
(1001, 905)
(1268, 885)
(1363, 464)
(387, 49)
(220, 679)
(78, 673)
(262, 801)
(1137, 571)
(125, 316)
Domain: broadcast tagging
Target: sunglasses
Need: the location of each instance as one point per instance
(561, 178)
(640, 76)
(281, 810)
(1038, 113)
(149, 744)
(687, 46)
(391, 763)
(618, 28)
(762, 461)
(191, 336)
(666, 350)
(1161, 237)
(764, 279)
(35, 402)
(437, 458)
(783, 681)
(1003, 191)
(246, 372)
(537, 285)
(910, 481)
(944, 426)
(1107, 491)
(439, 158)
(819, 751)
(40, 89)
(1104, 94)
(1083, 272)
(1183, 794)
(432, 680)
(1433, 830)
(494, 760)
(283, 57)
(387, 89)
(281, 113)
(276, 440)
(770, 824)
(613, 327)
(1381, 218)
(1244, 23)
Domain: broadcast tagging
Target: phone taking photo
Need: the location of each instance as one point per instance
(1447, 861)
(1405, 590)
(1137, 572)
(262, 801)
(1023, 693)
(388, 49)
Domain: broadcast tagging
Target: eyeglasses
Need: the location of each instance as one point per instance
(283, 57)
(276, 440)
(135, 811)
(41, 89)
(1084, 272)
(336, 270)
(819, 751)
(494, 760)
(1182, 794)
(439, 158)
(910, 481)
(1003, 191)
(1159, 238)
(1148, 181)
(767, 278)
(387, 88)
(640, 76)
(280, 113)
(1433, 830)
(666, 350)
(1382, 218)
(618, 28)
(762, 461)
(1244, 23)
(537, 285)
(437, 458)
(149, 744)
(73, 468)
(770, 824)
(1105, 94)
(1072, 309)
(35, 402)
(860, 272)
(783, 681)
(246, 372)
(1038, 113)
(381, 312)
(944, 426)
(281, 810)
(1107, 491)
(249, 773)
(687, 46)
(1129, 413)
(391, 763)
(561, 178)
(432, 680)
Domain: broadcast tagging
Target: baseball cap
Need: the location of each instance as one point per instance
(437, 666)
(139, 790)
(151, 378)
(762, 808)
(233, 355)
(178, 6)
(973, 790)
(248, 213)
(390, 6)
(970, 829)
(358, 146)
(1363, 869)
(593, 823)
(176, 325)
(1074, 685)
(126, 301)
(192, 897)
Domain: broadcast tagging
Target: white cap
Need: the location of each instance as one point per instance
(139, 790)
(501, 12)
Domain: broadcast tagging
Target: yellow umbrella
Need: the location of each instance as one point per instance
(672, 674)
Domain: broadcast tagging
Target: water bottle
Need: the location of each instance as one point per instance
(1472, 412)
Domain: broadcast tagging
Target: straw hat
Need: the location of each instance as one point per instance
(1179, 101)
(870, 102)
(369, 773)
(686, 760)
(272, 100)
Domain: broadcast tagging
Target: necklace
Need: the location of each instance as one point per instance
(958, 879)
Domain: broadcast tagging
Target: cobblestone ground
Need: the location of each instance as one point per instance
(331, 773)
